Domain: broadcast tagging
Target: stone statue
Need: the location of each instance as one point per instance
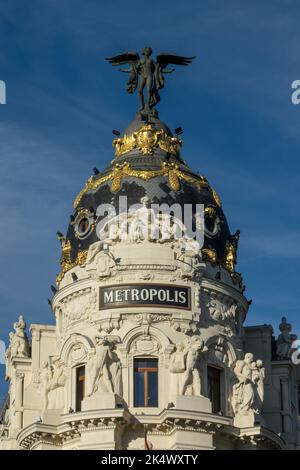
(137, 231)
(166, 228)
(19, 344)
(52, 385)
(96, 368)
(248, 392)
(140, 223)
(191, 374)
(104, 369)
(147, 73)
(243, 391)
(258, 377)
(284, 340)
(184, 362)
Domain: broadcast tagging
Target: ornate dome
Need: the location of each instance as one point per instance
(148, 163)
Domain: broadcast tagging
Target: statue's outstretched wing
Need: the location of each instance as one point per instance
(165, 59)
(131, 58)
(125, 58)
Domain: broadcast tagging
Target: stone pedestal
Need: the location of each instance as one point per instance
(248, 420)
(244, 420)
(102, 401)
(186, 437)
(193, 403)
(191, 440)
(52, 417)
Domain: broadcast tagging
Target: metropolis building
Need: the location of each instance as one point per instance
(148, 349)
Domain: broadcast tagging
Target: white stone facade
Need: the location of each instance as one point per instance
(258, 400)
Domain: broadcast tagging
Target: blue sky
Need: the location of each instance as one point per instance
(241, 129)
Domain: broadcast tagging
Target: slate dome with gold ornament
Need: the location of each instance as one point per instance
(147, 162)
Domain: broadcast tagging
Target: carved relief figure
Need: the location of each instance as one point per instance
(45, 377)
(177, 367)
(184, 362)
(116, 373)
(52, 385)
(214, 308)
(94, 249)
(19, 344)
(177, 362)
(56, 386)
(144, 224)
(77, 306)
(285, 340)
(222, 312)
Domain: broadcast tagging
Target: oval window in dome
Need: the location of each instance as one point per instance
(83, 226)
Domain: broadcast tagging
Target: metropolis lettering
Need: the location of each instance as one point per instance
(140, 294)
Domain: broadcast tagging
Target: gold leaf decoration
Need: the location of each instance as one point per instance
(66, 248)
(230, 260)
(146, 139)
(173, 180)
(89, 185)
(216, 197)
(170, 170)
(209, 255)
(66, 264)
(81, 257)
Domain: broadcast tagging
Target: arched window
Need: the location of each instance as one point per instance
(145, 382)
(214, 388)
(80, 386)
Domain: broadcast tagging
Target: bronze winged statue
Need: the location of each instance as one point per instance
(147, 73)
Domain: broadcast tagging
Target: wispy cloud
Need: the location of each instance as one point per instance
(276, 246)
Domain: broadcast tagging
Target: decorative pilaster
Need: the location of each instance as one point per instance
(19, 390)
